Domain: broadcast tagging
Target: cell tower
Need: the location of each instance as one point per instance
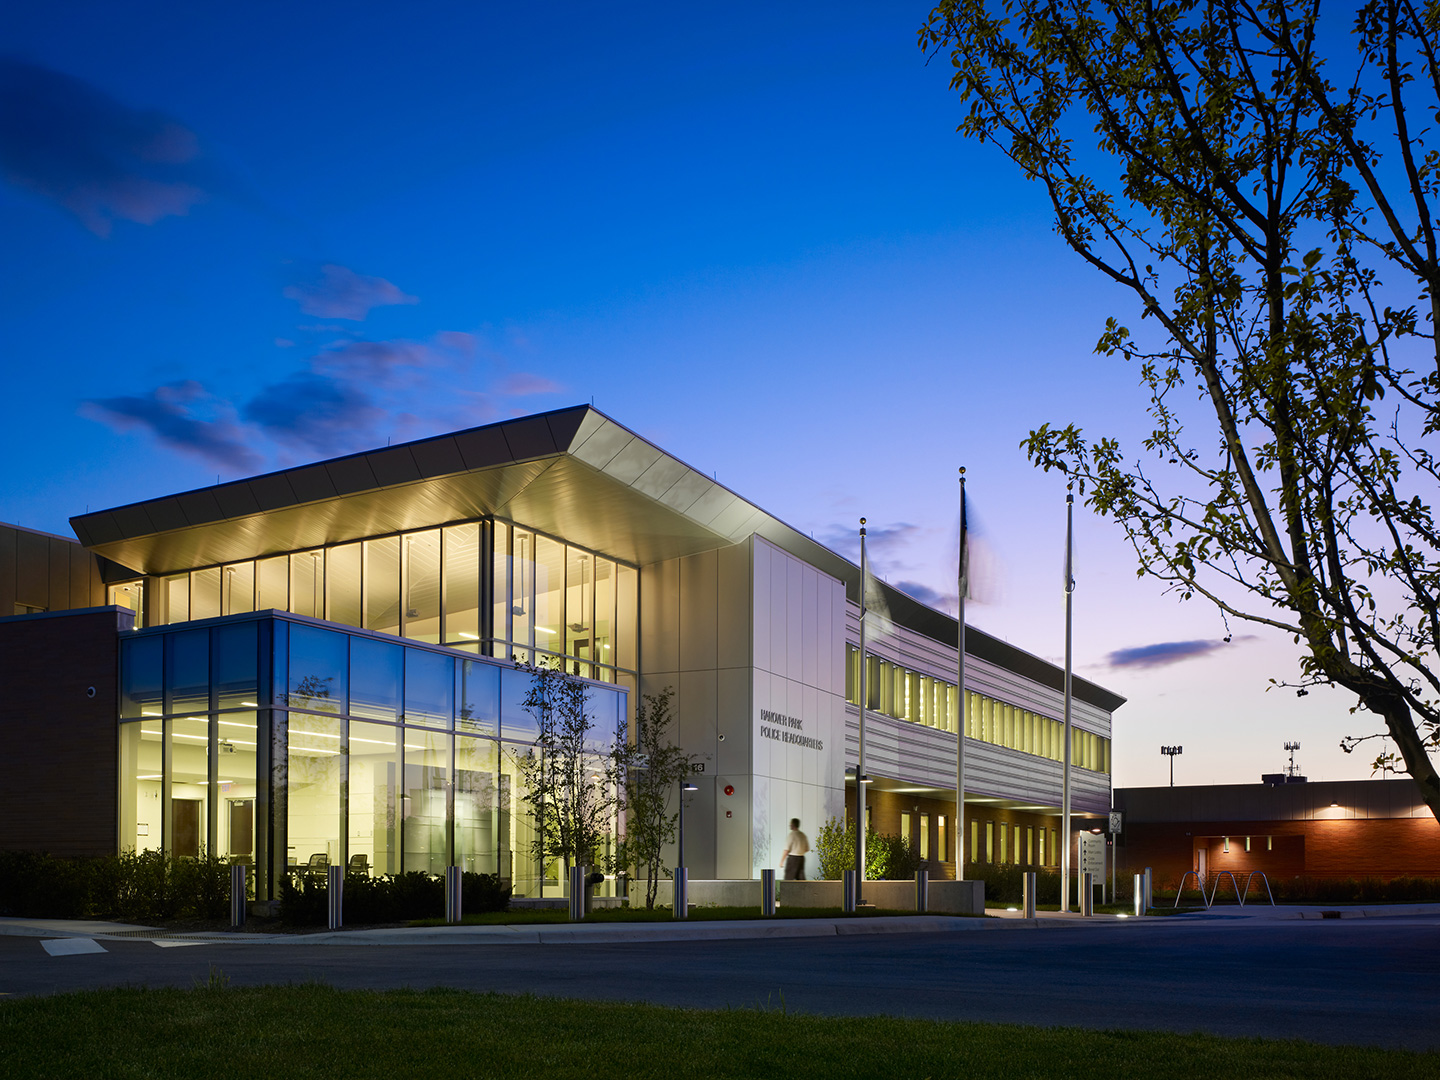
(1291, 769)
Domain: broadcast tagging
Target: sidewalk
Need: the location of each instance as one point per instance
(696, 930)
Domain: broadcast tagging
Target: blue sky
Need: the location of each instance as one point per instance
(242, 237)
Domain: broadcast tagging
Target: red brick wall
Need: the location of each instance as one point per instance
(60, 753)
(1340, 848)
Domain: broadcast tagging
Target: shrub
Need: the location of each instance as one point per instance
(887, 858)
(304, 900)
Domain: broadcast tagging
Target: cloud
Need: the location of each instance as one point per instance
(102, 161)
(846, 538)
(340, 293)
(175, 415)
(926, 595)
(1165, 653)
(522, 384)
(315, 412)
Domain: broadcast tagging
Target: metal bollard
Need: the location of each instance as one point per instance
(237, 896)
(682, 892)
(1087, 894)
(1149, 889)
(1028, 896)
(922, 891)
(1139, 895)
(335, 896)
(453, 895)
(767, 892)
(577, 892)
(847, 901)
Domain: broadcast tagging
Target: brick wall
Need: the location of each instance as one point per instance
(60, 752)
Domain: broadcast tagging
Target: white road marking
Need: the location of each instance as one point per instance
(71, 946)
(164, 944)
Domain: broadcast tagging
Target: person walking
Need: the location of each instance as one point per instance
(797, 844)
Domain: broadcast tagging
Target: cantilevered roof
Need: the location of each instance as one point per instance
(573, 472)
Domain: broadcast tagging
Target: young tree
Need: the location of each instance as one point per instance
(1273, 215)
(569, 774)
(652, 768)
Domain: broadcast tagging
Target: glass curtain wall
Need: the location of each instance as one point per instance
(375, 754)
(544, 601)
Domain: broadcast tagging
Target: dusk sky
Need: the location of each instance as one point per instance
(238, 238)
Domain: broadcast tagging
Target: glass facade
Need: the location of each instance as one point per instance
(489, 587)
(292, 747)
(922, 699)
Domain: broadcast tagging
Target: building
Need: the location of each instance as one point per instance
(1332, 829)
(317, 666)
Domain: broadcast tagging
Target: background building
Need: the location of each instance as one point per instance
(281, 648)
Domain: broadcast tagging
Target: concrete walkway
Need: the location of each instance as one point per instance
(693, 930)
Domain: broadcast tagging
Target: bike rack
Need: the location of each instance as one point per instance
(1215, 889)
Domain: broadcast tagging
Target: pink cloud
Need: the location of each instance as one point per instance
(340, 293)
(521, 384)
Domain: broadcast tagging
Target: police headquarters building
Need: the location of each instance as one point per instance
(318, 667)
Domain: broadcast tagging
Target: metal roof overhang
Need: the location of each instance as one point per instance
(574, 473)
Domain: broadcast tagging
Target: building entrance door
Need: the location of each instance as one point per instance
(185, 828)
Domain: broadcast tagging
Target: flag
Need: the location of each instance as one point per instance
(964, 547)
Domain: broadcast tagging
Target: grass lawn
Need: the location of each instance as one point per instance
(315, 1031)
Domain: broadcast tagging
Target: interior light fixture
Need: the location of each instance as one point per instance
(148, 712)
(467, 634)
(250, 704)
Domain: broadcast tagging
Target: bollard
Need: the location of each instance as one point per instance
(335, 896)
(1087, 894)
(1149, 890)
(848, 900)
(237, 896)
(922, 891)
(1028, 897)
(453, 896)
(1139, 895)
(767, 892)
(682, 892)
(577, 892)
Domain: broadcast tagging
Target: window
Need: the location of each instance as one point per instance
(924, 836)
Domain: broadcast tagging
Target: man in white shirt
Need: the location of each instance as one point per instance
(796, 845)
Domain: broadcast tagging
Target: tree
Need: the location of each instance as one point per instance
(652, 769)
(570, 772)
(1274, 217)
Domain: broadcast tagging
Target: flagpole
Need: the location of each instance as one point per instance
(1065, 796)
(860, 747)
(963, 583)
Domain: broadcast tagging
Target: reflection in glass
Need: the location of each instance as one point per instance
(236, 666)
(237, 588)
(421, 584)
(382, 585)
(342, 597)
(516, 722)
(307, 583)
(603, 649)
(141, 786)
(272, 584)
(235, 786)
(374, 798)
(189, 747)
(462, 584)
(189, 671)
(375, 673)
(205, 593)
(627, 615)
(313, 796)
(142, 665)
(317, 669)
(478, 822)
(478, 702)
(423, 800)
(522, 594)
(175, 599)
(429, 688)
(549, 594)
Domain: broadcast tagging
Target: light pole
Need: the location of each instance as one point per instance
(1171, 752)
(681, 902)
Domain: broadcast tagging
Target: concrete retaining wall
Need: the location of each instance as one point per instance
(953, 897)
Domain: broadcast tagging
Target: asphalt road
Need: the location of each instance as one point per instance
(1363, 981)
